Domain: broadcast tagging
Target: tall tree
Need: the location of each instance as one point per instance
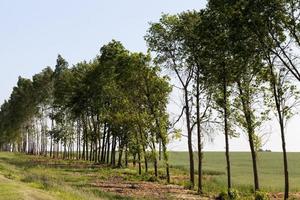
(285, 97)
(164, 38)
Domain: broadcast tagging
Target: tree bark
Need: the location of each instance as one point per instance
(277, 98)
(226, 131)
(190, 145)
(199, 141)
(250, 130)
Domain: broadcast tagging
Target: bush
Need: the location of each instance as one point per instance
(233, 195)
(261, 196)
(148, 178)
(222, 196)
(187, 185)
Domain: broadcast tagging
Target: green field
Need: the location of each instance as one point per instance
(270, 165)
(24, 177)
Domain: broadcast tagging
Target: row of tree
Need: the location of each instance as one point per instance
(237, 60)
(104, 110)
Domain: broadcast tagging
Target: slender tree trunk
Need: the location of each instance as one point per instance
(276, 94)
(95, 137)
(190, 145)
(254, 162)
(154, 157)
(79, 145)
(144, 148)
(139, 161)
(285, 162)
(113, 151)
(226, 131)
(126, 155)
(103, 142)
(138, 153)
(160, 150)
(145, 160)
(108, 144)
(99, 148)
(91, 150)
(57, 151)
(86, 145)
(166, 158)
(199, 141)
(250, 130)
(120, 153)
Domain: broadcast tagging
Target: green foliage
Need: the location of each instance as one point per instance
(187, 185)
(231, 195)
(234, 194)
(223, 196)
(261, 196)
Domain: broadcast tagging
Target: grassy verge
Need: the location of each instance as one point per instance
(32, 177)
(24, 177)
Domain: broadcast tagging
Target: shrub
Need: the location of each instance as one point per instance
(187, 185)
(261, 196)
(222, 196)
(233, 195)
(148, 177)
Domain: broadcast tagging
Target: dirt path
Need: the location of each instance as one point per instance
(146, 190)
(280, 195)
(157, 191)
(12, 190)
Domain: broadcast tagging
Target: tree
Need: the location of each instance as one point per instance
(164, 39)
(285, 98)
(218, 72)
(191, 31)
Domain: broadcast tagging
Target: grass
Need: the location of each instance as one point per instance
(28, 177)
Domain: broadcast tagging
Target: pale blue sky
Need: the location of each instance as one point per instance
(33, 32)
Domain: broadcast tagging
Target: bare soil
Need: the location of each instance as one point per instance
(147, 190)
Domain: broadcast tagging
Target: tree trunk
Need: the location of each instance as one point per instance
(285, 162)
(164, 148)
(103, 143)
(250, 130)
(126, 155)
(113, 151)
(154, 157)
(120, 153)
(190, 145)
(199, 141)
(108, 145)
(280, 112)
(144, 148)
(226, 131)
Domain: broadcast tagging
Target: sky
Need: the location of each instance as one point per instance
(34, 32)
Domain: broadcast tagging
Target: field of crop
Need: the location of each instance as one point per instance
(270, 165)
(30, 177)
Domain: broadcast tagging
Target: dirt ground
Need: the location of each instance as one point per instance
(146, 190)
(281, 196)
(149, 190)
